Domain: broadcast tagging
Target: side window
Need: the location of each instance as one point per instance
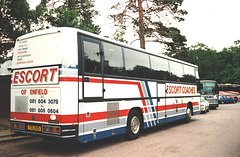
(189, 74)
(113, 64)
(92, 57)
(176, 71)
(160, 69)
(137, 64)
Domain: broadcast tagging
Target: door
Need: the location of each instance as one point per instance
(92, 69)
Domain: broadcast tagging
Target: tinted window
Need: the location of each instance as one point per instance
(137, 64)
(160, 69)
(176, 70)
(189, 74)
(92, 57)
(113, 59)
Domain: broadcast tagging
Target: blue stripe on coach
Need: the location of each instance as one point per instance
(174, 118)
(149, 93)
(196, 113)
(102, 134)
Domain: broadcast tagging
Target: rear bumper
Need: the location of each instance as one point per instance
(66, 131)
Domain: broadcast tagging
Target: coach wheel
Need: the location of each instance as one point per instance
(134, 125)
(205, 111)
(188, 115)
(208, 109)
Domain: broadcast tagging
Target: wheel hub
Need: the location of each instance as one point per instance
(135, 125)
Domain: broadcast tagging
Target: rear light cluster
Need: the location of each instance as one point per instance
(51, 129)
(17, 125)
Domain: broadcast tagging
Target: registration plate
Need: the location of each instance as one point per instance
(34, 128)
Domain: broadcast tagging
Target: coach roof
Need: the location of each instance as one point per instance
(69, 29)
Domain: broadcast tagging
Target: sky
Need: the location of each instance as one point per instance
(212, 22)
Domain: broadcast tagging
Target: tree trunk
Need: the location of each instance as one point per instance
(141, 25)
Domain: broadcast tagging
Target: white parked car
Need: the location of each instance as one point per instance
(204, 105)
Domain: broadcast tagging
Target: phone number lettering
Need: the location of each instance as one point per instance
(43, 110)
(44, 101)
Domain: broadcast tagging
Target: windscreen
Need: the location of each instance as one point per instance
(209, 88)
(37, 50)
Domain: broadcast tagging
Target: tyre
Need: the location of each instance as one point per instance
(205, 111)
(188, 114)
(134, 125)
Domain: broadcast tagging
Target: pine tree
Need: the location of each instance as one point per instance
(147, 17)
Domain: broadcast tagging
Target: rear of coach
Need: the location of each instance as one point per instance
(37, 103)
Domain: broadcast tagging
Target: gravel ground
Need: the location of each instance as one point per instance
(4, 125)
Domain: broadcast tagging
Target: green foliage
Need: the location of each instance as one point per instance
(73, 13)
(223, 66)
(177, 44)
(15, 20)
(87, 13)
(230, 61)
(63, 17)
(118, 36)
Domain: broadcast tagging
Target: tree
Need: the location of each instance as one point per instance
(71, 13)
(147, 16)
(203, 56)
(87, 14)
(223, 66)
(229, 71)
(15, 20)
(63, 17)
(177, 43)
